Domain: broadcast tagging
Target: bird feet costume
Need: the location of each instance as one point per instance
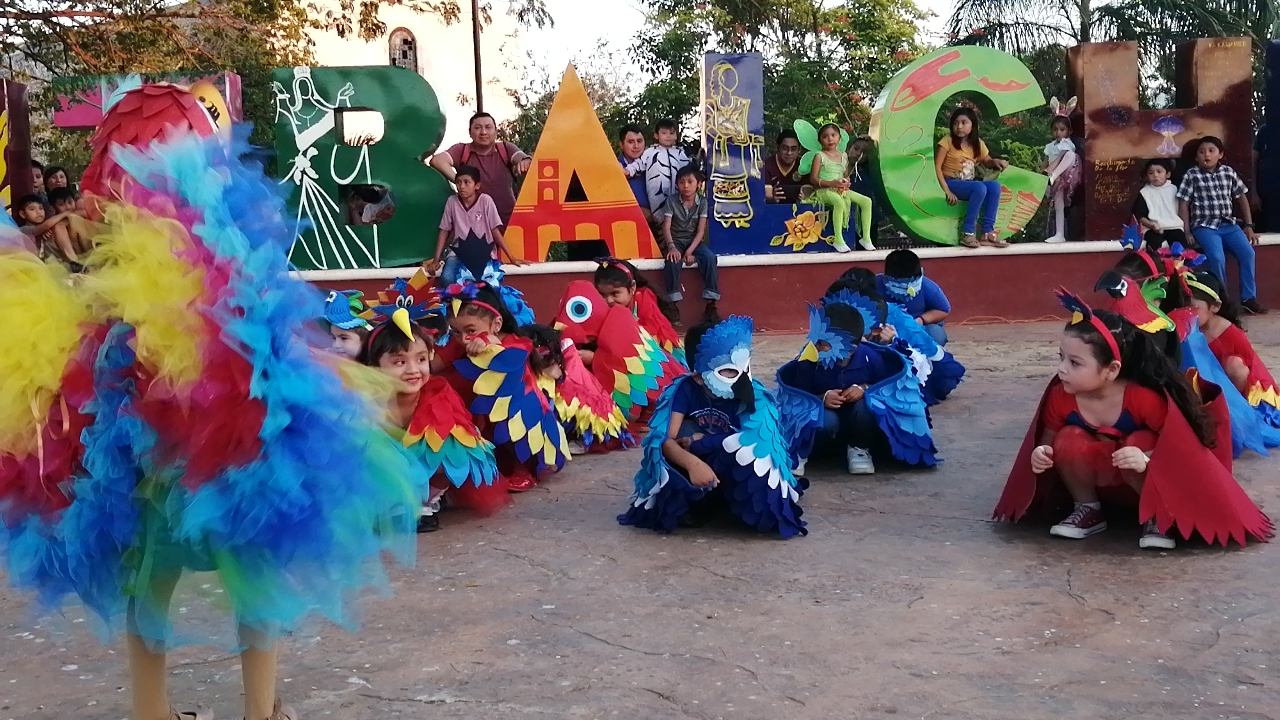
(749, 459)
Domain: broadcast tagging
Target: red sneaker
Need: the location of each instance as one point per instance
(1081, 523)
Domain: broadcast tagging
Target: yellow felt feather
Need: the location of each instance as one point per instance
(137, 275)
(45, 314)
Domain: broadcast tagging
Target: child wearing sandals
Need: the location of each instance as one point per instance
(955, 161)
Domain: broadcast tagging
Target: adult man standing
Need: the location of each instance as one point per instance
(631, 147)
(498, 163)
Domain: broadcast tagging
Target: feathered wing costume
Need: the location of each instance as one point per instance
(1187, 485)
(513, 412)
(586, 410)
(1139, 303)
(629, 362)
(751, 462)
(938, 370)
(442, 433)
(897, 401)
(166, 415)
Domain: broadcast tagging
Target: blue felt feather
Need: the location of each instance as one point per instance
(751, 464)
(520, 401)
(899, 406)
(495, 277)
(800, 416)
(1247, 428)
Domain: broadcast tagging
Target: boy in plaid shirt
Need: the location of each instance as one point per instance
(1206, 196)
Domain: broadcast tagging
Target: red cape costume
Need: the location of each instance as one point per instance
(1187, 484)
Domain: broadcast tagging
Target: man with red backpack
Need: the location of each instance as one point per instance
(498, 163)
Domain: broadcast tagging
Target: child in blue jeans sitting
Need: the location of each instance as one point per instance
(1206, 196)
(955, 160)
(903, 282)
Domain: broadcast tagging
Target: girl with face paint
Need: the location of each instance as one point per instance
(714, 444)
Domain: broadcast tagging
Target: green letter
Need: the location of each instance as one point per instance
(391, 121)
(902, 125)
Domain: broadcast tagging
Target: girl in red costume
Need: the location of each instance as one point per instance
(1121, 423)
(1220, 321)
(620, 283)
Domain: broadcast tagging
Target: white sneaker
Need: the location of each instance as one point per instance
(859, 462)
(1055, 240)
(577, 447)
(841, 246)
(866, 244)
(800, 466)
(1153, 539)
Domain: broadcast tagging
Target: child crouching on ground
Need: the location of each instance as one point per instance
(903, 282)
(714, 444)
(1120, 423)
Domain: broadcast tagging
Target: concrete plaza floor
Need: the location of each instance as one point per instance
(905, 601)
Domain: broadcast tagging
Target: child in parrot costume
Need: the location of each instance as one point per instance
(592, 421)
(1150, 290)
(1219, 320)
(166, 415)
(1121, 424)
(860, 396)
(620, 283)
(349, 331)
(426, 414)
(714, 444)
(488, 364)
(884, 320)
(629, 362)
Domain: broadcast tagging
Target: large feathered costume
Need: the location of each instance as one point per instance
(747, 454)
(166, 414)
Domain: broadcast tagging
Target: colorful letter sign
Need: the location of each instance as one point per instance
(388, 151)
(1215, 90)
(902, 125)
(576, 189)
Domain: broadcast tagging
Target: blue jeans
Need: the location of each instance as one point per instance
(449, 273)
(706, 265)
(853, 425)
(937, 332)
(983, 196)
(1232, 239)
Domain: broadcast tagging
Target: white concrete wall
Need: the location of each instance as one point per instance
(444, 59)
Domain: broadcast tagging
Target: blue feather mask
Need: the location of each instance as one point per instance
(723, 356)
(839, 344)
(901, 290)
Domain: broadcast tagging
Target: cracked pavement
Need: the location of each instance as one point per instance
(904, 601)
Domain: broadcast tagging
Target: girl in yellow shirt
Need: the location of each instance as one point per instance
(955, 160)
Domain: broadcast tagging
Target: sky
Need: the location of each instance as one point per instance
(580, 26)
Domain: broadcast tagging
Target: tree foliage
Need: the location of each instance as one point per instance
(821, 58)
(43, 39)
(1025, 27)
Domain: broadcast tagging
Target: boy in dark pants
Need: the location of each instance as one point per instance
(684, 229)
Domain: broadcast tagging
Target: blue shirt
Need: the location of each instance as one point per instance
(866, 367)
(637, 185)
(929, 298)
(712, 415)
